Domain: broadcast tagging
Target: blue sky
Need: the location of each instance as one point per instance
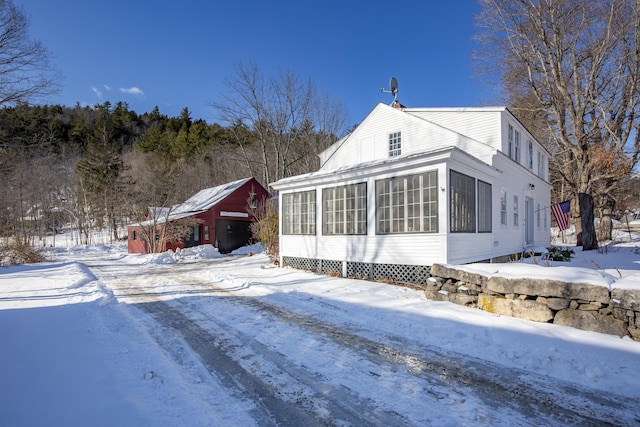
(177, 54)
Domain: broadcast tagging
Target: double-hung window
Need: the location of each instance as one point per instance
(518, 148)
(514, 144)
(407, 204)
(344, 209)
(516, 211)
(511, 150)
(395, 144)
(299, 213)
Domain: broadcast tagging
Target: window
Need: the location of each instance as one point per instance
(395, 144)
(484, 207)
(462, 203)
(511, 149)
(407, 204)
(299, 213)
(344, 209)
(503, 207)
(134, 235)
(196, 233)
(206, 232)
(530, 156)
(253, 203)
(541, 165)
(516, 212)
(545, 218)
(538, 216)
(514, 147)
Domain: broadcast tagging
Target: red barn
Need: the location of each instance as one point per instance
(217, 216)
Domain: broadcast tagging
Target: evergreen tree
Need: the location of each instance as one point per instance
(100, 170)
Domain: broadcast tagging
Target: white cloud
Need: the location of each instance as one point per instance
(132, 90)
(97, 92)
(106, 87)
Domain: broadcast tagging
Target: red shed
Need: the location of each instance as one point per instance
(218, 216)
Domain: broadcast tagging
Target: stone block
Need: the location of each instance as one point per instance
(558, 303)
(588, 307)
(523, 309)
(626, 298)
(468, 290)
(619, 313)
(590, 321)
(444, 271)
(548, 288)
(435, 295)
(463, 299)
(635, 333)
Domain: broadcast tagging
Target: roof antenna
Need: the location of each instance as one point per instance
(393, 84)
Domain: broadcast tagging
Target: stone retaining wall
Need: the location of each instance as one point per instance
(579, 305)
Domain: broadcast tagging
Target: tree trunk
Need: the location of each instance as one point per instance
(605, 228)
(575, 218)
(589, 238)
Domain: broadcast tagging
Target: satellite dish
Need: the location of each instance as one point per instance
(393, 84)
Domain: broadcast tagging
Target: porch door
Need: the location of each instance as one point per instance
(528, 221)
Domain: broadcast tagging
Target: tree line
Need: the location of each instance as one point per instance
(103, 167)
(568, 69)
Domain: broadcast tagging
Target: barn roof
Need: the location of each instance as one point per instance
(202, 201)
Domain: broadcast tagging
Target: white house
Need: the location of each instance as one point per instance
(410, 187)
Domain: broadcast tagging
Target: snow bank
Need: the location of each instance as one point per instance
(181, 255)
(256, 248)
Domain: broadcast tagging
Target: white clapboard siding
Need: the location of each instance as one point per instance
(480, 124)
(472, 141)
(411, 249)
(370, 141)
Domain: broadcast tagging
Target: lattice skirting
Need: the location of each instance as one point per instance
(398, 273)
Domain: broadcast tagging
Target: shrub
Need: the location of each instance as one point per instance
(265, 227)
(19, 253)
(558, 253)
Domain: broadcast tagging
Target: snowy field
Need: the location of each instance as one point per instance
(98, 337)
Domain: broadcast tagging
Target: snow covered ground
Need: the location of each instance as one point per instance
(99, 337)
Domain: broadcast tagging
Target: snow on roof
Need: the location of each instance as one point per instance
(202, 201)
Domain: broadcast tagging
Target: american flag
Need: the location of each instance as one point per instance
(561, 214)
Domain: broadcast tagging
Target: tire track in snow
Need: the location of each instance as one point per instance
(496, 387)
(329, 406)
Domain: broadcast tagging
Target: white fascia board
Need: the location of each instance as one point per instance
(381, 167)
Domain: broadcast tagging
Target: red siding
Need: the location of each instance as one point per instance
(234, 202)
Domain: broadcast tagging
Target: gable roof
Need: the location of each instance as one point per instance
(204, 199)
(200, 202)
(445, 136)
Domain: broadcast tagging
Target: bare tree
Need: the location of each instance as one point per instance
(160, 182)
(279, 112)
(26, 73)
(577, 66)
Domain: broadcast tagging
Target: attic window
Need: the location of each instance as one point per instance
(395, 144)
